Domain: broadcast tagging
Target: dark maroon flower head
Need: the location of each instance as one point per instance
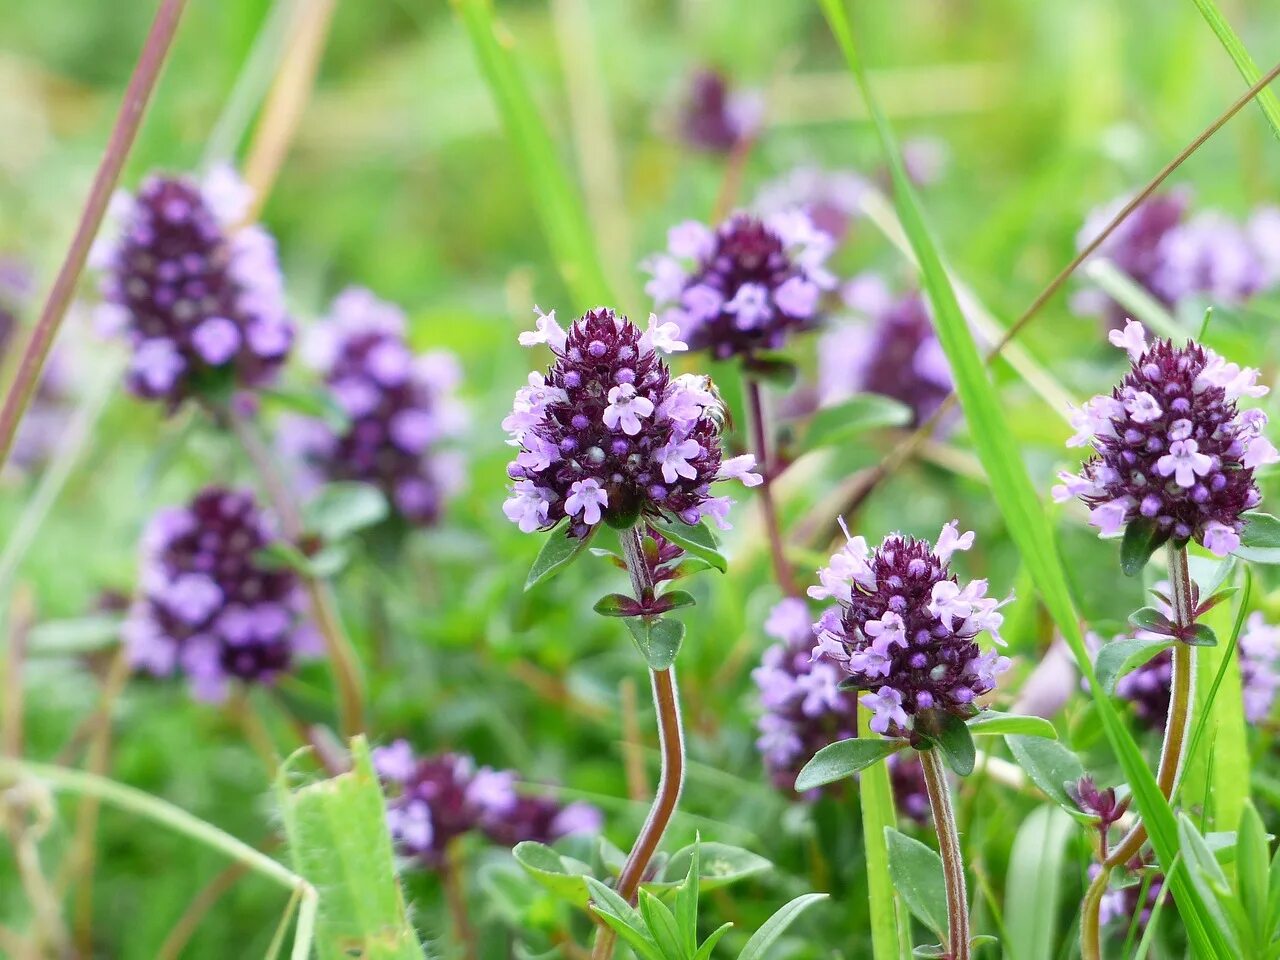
(1171, 447)
(745, 287)
(1100, 803)
(431, 801)
(609, 435)
(905, 630)
(714, 118)
(199, 297)
(400, 407)
(208, 607)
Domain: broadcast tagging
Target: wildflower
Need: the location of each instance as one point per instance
(199, 297)
(745, 286)
(804, 708)
(715, 118)
(906, 631)
(894, 352)
(608, 434)
(1170, 445)
(208, 608)
(431, 801)
(400, 409)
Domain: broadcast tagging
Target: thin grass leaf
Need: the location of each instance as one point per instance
(1267, 101)
(890, 924)
(1022, 510)
(776, 925)
(564, 220)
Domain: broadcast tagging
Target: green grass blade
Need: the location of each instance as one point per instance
(1267, 101)
(1016, 497)
(1033, 887)
(890, 924)
(559, 206)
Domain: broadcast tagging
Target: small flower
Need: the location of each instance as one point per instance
(1171, 446)
(401, 408)
(744, 287)
(716, 119)
(906, 631)
(207, 608)
(608, 433)
(199, 297)
(1259, 667)
(431, 801)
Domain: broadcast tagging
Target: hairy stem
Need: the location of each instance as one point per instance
(456, 895)
(759, 434)
(1091, 917)
(944, 820)
(136, 95)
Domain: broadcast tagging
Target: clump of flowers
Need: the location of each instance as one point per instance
(400, 408)
(1170, 445)
(609, 435)
(199, 296)
(745, 286)
(894, 352)
(1173, 257)
(804, 707)
(433, 800)
(208, 608)
(906, 630)
(830, 198)
(716, 119)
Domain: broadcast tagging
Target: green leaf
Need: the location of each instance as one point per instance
(773, 368)
(709, 944)
(990, 723)
(623, 918)
(890, 923)
(558, 552)
(832, 426)
(76, 637)
(1033, 884)
(917, 875)
(314, 402)
(338, 841)
(282, 555)
(563, 877)
(1118, 657)
(696, 539)
(1024, 515)
(657, 640)
(687, 901)
(675, 599)
(1149, 618)
(1260, 538)
(843, 759)
(1201, 635)
(330, 561)
(1266, 100)
(721, 865)
(1207, 876)
(1141, 539)
(661, 923)
(560, 209)
(949, 734)
(1050, 766)
(341, 509)
(616, 605)
(930, 951)
(758, 946)
(1251, 871)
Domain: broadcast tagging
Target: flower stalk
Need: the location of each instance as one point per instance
(944, 819)
(773, 529)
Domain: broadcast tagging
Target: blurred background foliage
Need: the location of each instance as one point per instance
(401, 180)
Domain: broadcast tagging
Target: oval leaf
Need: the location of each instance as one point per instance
(1118, 657)
(617, 605)
(991, 723)
(1149, 618)
(558, 552)
(719, 864)
(917, 876)
(560, 876)
(1260, 538)
(951, 735)
(844, 758)
(696, 539)
(1050, 766)
(1141, 539)
(657, 640)
(837, 424)
(341, 509)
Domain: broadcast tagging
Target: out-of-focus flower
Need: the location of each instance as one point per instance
(745, 286)
(401, 408)
(716, 119)
(905, 629)
(199, 297)
(1171, 446)
(891, 350)
(433, 800)
(831, 198)
(910, 790)
(804, 709)
(1121, 903)
(608, 434)
(207, 607)
(925, 159)
(1259, 667)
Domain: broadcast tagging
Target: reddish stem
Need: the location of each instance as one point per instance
(782, 573)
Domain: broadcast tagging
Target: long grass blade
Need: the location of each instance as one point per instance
(890, 923)
(1231, 42)
(1033, 886)
(1017, 499)
(560, 209)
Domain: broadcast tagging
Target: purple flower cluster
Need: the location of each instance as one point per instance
(608, 434)
(1174, 257)
(400, 407)
(745, 286)
(716, 119)
(895, 352)
(431, 801)
(832, 199)
(1170, 445)
(906, 630)
(199, 297)
(207, 606)
(804, 708)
